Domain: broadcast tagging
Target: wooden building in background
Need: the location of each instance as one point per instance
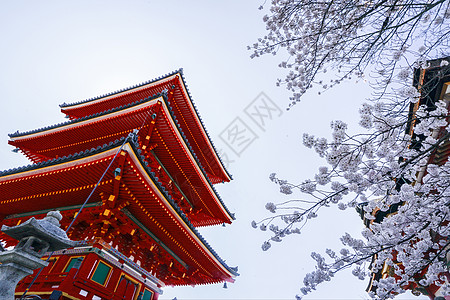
(433, 84)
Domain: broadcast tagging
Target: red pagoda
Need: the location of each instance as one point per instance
(137, 233)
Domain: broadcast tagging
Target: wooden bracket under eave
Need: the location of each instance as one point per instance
(113, 198)
(153, 117)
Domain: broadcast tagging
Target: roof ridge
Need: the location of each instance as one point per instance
(64, 159)
(180, 71)
(111, 110)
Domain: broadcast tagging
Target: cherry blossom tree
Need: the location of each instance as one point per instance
(395, 170)
(349, 37)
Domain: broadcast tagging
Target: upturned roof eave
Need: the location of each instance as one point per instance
(15, 138)
(66, 108)
(89, 156)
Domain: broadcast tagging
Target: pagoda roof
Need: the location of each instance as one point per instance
(67, 181)
(184, 110)
(170, 145)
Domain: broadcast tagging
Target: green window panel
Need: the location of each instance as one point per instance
(101, 273)
(147, 295)
(72, 262)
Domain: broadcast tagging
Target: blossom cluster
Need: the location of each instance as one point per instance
(316, 36)
(373, 172)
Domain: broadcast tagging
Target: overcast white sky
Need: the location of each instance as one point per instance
(64, 51)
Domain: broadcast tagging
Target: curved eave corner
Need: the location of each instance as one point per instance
(226, 212)
(137, 153)
(61, 160)
(185, 88)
